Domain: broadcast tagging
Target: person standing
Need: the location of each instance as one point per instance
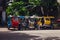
(20, 24)
(27, 24)
(39, 23)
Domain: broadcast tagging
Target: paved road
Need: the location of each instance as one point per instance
(30, 35)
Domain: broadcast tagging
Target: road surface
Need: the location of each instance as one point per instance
(6, 34)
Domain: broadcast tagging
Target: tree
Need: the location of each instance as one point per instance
(17, 7)
(33, 7)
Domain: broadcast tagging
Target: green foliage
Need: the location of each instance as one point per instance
(9, 10)
(35, 2)
(19, 8)
(16, 7)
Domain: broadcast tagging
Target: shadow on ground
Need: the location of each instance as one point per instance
(22, 36)
(52, 38)
(15, 36)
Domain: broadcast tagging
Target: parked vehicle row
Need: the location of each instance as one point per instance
(23, 22)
